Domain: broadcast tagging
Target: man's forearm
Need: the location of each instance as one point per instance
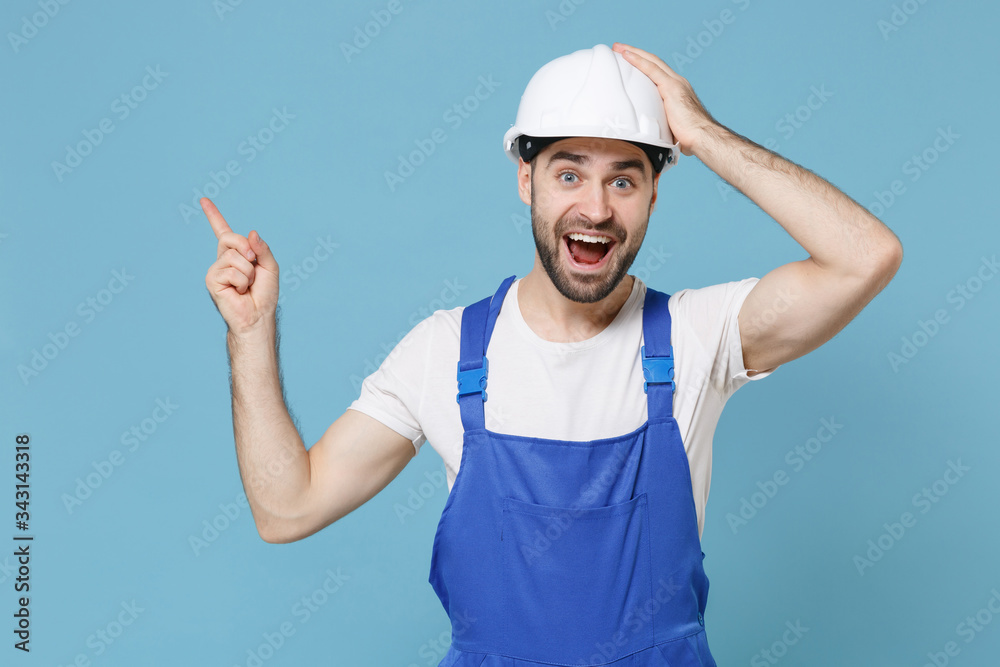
(273, 460)
(836, 231)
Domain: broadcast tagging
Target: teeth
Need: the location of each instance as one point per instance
(590, 239)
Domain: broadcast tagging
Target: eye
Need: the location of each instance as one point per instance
(567, 177)
(621, 183)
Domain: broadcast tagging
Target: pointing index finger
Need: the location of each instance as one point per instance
(215, 218)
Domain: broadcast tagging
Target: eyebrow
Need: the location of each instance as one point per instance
(621, 165)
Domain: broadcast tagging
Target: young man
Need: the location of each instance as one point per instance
(578, 444)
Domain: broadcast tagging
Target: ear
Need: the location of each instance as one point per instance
(656, 182)
(524, 181)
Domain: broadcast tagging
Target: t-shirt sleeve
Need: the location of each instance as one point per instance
(713, 314)
(392, 393)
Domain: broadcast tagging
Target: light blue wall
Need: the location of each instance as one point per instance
(457, 220)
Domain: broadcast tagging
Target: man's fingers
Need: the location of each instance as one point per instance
(232, 240)
(234, 258)
(215, 218)
(655, 73)
(647, 56)
(652, 57)
(648, 67)
(252, 247)
(223, 276)
(265, 259)
(231, 276)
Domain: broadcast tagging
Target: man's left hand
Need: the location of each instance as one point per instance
(686, 117)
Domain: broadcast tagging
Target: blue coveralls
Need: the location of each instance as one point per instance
(561, 552)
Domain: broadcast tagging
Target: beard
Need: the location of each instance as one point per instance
(583, 287)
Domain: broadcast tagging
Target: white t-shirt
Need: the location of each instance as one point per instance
(569, 391)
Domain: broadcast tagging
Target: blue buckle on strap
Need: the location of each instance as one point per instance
(657, 370)
(472, 381)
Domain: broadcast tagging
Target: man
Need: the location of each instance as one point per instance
(572, 534)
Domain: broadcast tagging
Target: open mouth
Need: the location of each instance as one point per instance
(588, 251)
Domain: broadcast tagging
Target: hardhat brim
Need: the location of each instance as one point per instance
(520, 145)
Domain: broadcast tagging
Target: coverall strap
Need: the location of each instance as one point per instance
(658, 370)
(478, 321)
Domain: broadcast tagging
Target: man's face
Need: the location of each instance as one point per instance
(603, 188)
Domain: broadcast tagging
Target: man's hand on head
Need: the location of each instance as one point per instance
(686, 116)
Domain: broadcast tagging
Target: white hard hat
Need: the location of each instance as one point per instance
(591, 93)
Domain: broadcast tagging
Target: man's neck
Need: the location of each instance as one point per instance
(555, 318)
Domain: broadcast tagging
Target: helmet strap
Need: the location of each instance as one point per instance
(528, 147)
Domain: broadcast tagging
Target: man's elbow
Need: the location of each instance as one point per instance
(282, 530)
(275, 530)
(272, 537)
(886, 262)
(892, 257)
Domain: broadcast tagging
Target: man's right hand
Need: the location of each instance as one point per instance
(243, 281)
(293, 491)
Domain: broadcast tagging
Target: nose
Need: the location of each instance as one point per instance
(594, 202)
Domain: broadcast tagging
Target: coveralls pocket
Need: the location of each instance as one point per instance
(574, 579)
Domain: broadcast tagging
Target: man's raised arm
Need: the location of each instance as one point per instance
(796, 307)
(293, 492)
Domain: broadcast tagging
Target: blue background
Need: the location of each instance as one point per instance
(457, 218)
